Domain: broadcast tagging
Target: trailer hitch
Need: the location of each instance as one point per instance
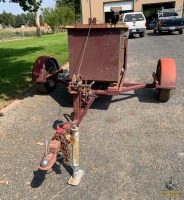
(50, 158)
(69, 133)
(53, 148)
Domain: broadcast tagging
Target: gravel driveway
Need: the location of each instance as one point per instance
(130, 145)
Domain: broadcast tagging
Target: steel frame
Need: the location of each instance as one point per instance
(84, 94)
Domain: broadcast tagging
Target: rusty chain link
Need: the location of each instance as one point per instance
(60, 136)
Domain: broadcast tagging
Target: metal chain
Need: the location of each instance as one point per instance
(64, 146)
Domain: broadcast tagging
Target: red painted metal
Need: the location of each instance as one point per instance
(54, 148)
(38, 72)
(80, 112)
(167, 73)
(54, 74)
(103, 56)
(98, 65)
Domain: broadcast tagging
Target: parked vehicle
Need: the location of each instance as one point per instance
(168, 21)
(136, 22)
(151, 24)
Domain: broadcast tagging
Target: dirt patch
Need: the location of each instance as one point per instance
(15, 38)
(4, 103)
(20, 29)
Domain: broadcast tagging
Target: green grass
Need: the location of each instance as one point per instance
(9, 34)
(17, 58)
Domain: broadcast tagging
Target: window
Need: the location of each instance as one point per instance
(133, 17)
(169, 14)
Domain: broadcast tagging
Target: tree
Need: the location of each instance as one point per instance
(55, 17)
(73, 4)
(30, 21)
(19, 21)
(7, 19)
(41, 20)
(31, 6)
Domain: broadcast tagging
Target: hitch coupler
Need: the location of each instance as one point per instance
(50, 157)
(77, 173)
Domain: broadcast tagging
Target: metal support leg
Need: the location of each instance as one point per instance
(77, 106)
(77, 173)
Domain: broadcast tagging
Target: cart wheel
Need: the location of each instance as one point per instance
(159, 32)
(141, 34)
(163, 94)
(180, 31)
(49, 86)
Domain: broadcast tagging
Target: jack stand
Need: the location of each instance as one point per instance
(77, 173)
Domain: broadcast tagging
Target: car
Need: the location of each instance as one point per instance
(151, 24)
(169, 21)
(136, 22)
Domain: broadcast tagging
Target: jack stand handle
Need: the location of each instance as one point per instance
(74, 125)
(46, 147)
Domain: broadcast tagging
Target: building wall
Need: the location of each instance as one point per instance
(138, 3)
(97, 9)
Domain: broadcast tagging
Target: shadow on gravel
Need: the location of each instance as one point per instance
(134, 37)
(64, 99)
(102, 103)
(56, 123)
(57, 167)
(146, 95)
(39, 177)
(164, 33)
(61, 96)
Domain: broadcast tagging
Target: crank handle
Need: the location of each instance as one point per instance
(74, 125)
(86, 85)
(83, 85)
(46, 147)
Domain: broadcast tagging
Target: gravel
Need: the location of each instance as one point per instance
(130, 145)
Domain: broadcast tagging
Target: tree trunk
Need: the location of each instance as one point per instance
(37, 20)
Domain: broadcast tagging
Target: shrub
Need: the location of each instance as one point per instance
(55, 17)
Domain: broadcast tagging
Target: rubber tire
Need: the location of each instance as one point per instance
(163, 95)
(49, 86)
(141, 35)
(180, 31)
(159, 32)
(154, 31)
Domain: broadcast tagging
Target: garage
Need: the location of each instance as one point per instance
(150, 10)
(127, 6)
(100, 9)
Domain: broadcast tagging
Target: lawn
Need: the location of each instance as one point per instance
(17, 58)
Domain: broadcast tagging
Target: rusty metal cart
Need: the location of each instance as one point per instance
(97, 67)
